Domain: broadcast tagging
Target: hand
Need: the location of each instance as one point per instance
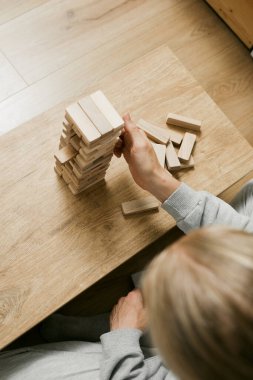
(129, 312)
(143, 163)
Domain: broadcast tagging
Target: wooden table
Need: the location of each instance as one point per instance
(55, 245)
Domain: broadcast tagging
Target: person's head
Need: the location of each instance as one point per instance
(199, 299)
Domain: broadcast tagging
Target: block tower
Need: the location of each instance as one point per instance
(91, 128)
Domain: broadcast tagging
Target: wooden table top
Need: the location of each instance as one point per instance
(55, 245)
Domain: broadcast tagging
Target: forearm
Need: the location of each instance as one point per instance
(193, 209)
(162, 184)
(123, 358)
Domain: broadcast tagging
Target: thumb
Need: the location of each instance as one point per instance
(132, 132)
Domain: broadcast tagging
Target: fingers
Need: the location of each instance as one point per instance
(118, 147)
(133, 135)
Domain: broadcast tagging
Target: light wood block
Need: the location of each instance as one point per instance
(160, 151)
(65, 154)
(75, 142)
(95, 115)
(172, 160)
(75, 190)
(108, 110)
(184, 122)
(57, 171)
(175, 137)
(140, 205)
(155, 133)
(184, 165)
(186, 147)
(87, 129)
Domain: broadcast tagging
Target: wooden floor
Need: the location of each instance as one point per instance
(51, 50)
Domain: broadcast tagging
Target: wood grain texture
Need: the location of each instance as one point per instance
(198, 35)
(138, 206)
(49, 235)
(157, 134)
(238, 15)
(186, 147)
(95, 115)
(184, 122)
(10, 81)
(14, 8)
(64, 30)
(160, 151)
(172, 160)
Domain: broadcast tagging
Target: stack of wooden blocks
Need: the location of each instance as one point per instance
(173, 149)
(91, 128)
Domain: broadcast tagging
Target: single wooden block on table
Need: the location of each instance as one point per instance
(172, 160)
(108, 110)
(157, 134)
(184, 122)
(65, 154)
(160, 151)
(186, 147)
(140, 205)
(82, 123)
(95, 115)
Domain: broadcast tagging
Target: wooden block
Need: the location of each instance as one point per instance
(108, 110)
(184, 122)
(160, 151)
(86, 128)
(75, 142)
(95, 115)
(57, 171)
(172, 160)
(186, 165)
(76, 190)
(186, 147)
(140, 205)
(157, 134)
(175, 137)
(66, 176)
(65, 154)
(83, 164)
(63, 141)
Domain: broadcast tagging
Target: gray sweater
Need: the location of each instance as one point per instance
(123, 358)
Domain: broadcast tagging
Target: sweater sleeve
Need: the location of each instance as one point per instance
(193, 209)
(122, 358)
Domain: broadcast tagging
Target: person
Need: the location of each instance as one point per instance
(197, 296)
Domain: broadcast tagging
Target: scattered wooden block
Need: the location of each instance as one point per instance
(87, 129)
(172, 160)
(157, 134)
(186, 165)
(140, 205)
(65, 154)
(160, 151)
(184, 122)
(108, 110)
(175, 137)
(95, 115)
(186, 147)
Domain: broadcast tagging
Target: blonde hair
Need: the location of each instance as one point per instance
(199, 299)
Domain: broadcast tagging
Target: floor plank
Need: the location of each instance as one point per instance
(11, 81)
(205, 45)
(67, 29)
(14, 8)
